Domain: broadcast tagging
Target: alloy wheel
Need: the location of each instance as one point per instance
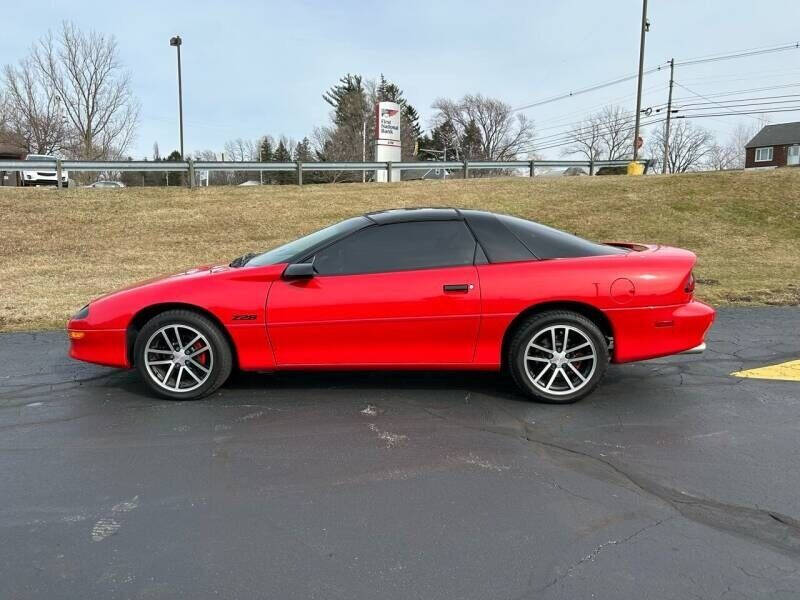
(178, 358)
(560, 359)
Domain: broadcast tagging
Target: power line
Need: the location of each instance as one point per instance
(746, 113)
(739, 54)
(686, 62)
(715, 106)
(712, 101)
(586, 90)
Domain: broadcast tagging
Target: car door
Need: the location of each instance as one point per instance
(387, 295)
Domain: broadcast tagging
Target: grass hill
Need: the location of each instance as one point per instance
(59, 249)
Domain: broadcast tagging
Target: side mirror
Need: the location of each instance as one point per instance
(299, 271)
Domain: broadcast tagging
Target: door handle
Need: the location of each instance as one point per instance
(457, 287)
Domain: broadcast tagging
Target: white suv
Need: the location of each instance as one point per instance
(45, 176)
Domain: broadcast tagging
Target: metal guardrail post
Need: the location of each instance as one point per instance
(466, 169)
(191, 173)
(533, 168)
(299, 173)
(591, 167)
(389, 172)
(58, 173)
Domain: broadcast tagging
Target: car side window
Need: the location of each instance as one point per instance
(399, 247)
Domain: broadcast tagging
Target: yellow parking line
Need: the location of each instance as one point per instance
(788, 371)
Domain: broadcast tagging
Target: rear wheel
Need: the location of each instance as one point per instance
(182, 355)
(558, 357)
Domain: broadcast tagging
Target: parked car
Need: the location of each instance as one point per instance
(44, 176)
(432, 288)
(106, 184)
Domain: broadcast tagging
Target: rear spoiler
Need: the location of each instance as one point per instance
(633, 246)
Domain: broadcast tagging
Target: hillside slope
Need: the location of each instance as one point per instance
(59, 249)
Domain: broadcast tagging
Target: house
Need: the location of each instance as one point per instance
(774, 146)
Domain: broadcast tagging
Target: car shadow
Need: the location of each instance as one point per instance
(488, 383)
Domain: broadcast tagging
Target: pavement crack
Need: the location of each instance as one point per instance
(778, 531)
(592, 556)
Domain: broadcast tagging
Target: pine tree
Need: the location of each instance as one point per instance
(349, 101)
(302, 151)
(282, 154)
(266, 154)
(471, 142)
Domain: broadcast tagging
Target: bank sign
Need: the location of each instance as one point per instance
(387, 123)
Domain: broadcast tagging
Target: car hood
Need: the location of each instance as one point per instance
(193, 273)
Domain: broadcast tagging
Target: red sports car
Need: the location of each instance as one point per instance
(430, 288)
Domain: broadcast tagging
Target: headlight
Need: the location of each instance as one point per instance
(82, 313)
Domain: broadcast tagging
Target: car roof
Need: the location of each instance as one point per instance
(404, 215)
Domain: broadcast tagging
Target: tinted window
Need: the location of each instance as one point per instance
(303, 245)
(498, 242)
(546, 242)
(399, 247)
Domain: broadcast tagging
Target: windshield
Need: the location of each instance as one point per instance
(300, 246)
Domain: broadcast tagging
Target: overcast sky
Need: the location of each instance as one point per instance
(251, 68)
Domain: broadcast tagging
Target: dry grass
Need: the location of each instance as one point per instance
(57, 250)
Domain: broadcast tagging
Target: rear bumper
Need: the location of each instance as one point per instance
(100, 346)
(696, 350)
(642, 333)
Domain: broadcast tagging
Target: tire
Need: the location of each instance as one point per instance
(557, 377)
(203, 357)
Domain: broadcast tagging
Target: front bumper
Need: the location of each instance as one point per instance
(100, 346)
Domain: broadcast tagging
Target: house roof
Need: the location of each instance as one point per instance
(776, 135)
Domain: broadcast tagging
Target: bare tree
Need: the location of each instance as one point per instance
(33, 110)
(503, 134)
(616, 131)
(604, 135)
(585, 140)
(240, 150)
(689, 147)
(84, 71)
(725, 156)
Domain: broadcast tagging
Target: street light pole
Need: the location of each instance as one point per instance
(645, 28)
(177, 41)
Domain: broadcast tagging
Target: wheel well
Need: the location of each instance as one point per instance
(595, 315)
(144, 315)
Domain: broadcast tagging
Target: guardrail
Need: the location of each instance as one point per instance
(191, 166)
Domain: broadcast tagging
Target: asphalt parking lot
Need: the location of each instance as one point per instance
(674, 480)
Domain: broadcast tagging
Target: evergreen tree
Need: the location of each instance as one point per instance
(282, 154)
(349, 101)
(302, 151)
(174, 178)
(266, 154)
(471, 142)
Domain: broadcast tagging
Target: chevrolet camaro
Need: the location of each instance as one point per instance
(431, 288)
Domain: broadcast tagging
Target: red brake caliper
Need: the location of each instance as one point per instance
(201, 358)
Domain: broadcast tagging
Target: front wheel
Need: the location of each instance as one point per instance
(558, 357)
(182, 355)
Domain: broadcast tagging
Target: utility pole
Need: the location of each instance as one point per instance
(669, 115)
(645, 28)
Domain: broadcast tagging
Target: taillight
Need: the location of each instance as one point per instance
(689, 289)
